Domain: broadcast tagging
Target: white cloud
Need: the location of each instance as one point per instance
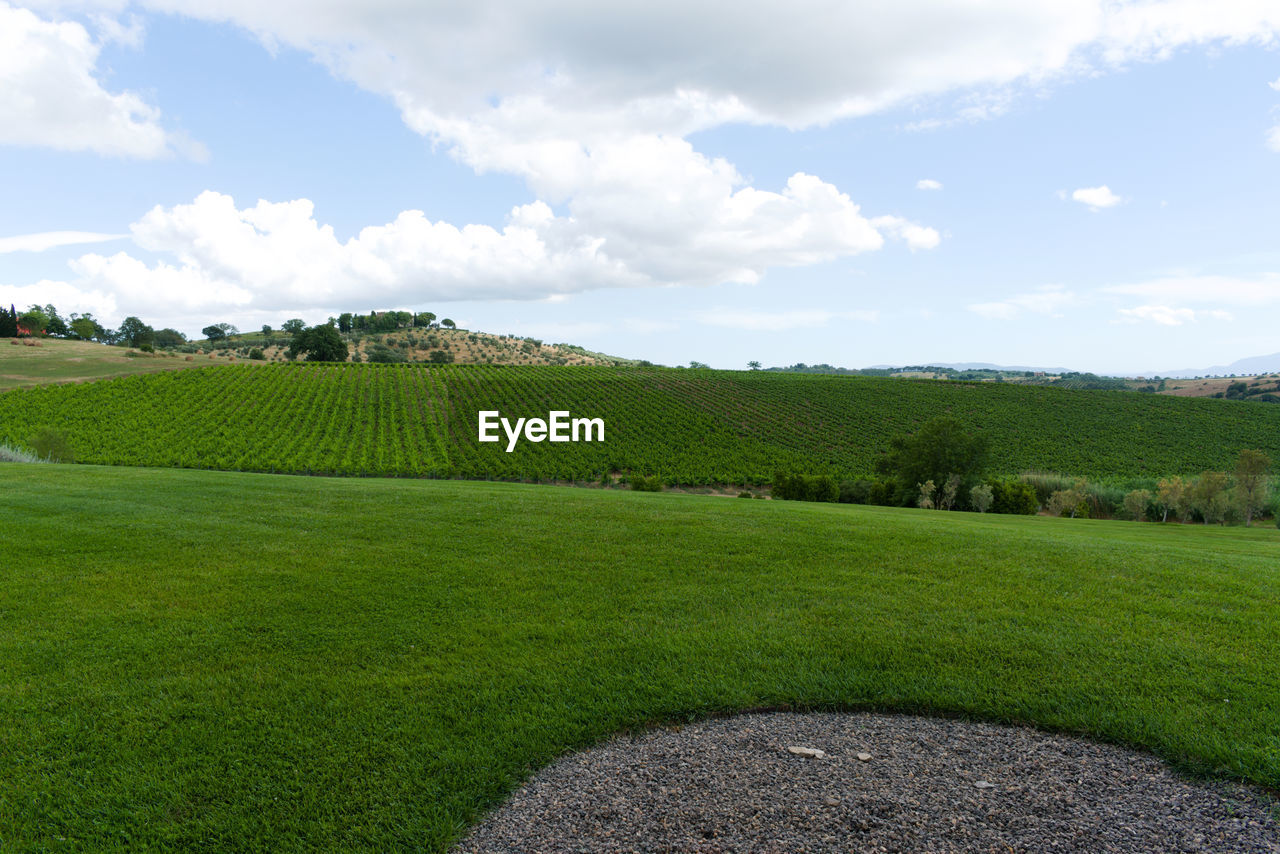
(928, 184)
(1160, 314)
(67, 298)
(755, 321)
(1275, 84)
(49, 95)
(1273, 138)
(1261, 290)
(1097, 198)
(52, 240)
(1046, 300)
(215, 257)
(916, 236)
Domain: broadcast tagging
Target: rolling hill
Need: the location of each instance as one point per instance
(686, 426)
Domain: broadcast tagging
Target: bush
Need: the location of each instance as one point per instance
(744, 494)
(855, 491)
(1136, 504)
(645, 484)
(980, 497)
(257, 355)
(147, 348)
(17, 455)
(52, 445)
(1013, 497)
(799, 487)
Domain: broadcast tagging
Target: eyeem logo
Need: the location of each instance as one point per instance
(557, 428)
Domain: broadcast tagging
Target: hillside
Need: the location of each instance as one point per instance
(419, 344)
(28, 362)
(689, 427)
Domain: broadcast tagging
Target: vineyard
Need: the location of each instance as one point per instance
(685, 426)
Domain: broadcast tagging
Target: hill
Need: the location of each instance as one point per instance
(433, 344)
(686, 426)
(37, 361)
(221, 661)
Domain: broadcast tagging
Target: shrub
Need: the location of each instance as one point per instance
(52, 445)
(1136, 503)
(855, 491)
(147, 348)
(799, 487)
(744, 494)
(1013, 497)
(257, 355)
(980, 497)
(646, 484)
(17, 455)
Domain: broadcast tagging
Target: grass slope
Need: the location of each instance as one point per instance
(691, 427)
(50, 360)
(222, 661)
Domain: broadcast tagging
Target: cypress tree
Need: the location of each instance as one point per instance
(8, 323)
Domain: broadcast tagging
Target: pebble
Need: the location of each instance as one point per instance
(864, 757)
(807, 751)
(983, 784)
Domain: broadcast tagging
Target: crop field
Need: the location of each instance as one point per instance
(689, 427)
(225, 661)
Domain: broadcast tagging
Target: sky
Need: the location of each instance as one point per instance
(1091, 185)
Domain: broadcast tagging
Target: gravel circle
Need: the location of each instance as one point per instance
(882, 783)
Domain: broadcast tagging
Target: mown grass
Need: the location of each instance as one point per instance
(223, 661)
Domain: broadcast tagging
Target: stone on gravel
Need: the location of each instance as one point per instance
(864, 757)
(807, 751)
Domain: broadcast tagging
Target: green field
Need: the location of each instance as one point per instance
(689, 427)
(223, 661)
(57, 361)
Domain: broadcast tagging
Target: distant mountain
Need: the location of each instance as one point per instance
(977, 366)
(1245, 367)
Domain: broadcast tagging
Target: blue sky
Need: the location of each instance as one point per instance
(719, 182)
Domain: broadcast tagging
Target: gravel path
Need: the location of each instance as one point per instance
(924, 785)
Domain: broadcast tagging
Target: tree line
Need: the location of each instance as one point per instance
(941, 467)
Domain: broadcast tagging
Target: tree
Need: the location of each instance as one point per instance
(8, 323)
(344, 322)
(214, 332)
(448, 324)
(1135, 504)
(1070, 502)
(939, 449)
(1171, 494)
(320, 343)
(267, 330)
(424, 318)
(1209, 496)
(293, 326)
(925, 501)
(1252, 484)
(753, 365)
(169, 337)
(135, 332)
(980, 497)
(86, 328)
(55, 325)
(34, 320)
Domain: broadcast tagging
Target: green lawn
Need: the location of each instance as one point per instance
(221, 661)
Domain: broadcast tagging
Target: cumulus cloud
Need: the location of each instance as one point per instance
(52, 240)
(928, 184)
(277, 256)
(50, 96)
(1047, 300)
(1273, 138)
(1097, 198)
